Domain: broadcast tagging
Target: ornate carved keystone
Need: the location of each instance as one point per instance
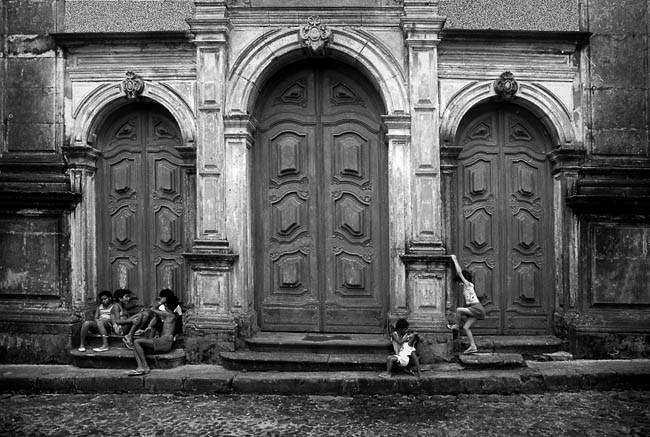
(132, 86)
(314, 34)
(506, 86)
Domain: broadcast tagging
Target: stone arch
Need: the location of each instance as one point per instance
(540, 101)
(276, 48)
(104, 100)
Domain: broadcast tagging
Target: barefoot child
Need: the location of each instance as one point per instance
(161, 344)
(405, 356)
(101, 323)
(472, 311)
(399, 335)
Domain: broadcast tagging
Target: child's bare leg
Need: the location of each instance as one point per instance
(139, 353)
(468, 324)
(102, 327)
(390, 362)
(414, 357)
(84, 333)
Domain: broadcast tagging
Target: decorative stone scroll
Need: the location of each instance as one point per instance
(314, 34)
(506, 86)
(132, 86)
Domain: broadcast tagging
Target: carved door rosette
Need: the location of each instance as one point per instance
(506, 86)
(315, 35)
(132, 86)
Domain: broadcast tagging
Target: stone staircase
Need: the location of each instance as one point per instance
(120, 357)
(293, 352)
(502, 351)
(283, 351)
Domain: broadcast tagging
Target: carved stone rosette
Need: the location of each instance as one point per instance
(314, 34)
(132, 86)
(506, 86)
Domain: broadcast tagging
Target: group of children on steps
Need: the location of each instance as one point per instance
(160, 322)
(405, 342)
(155, 327)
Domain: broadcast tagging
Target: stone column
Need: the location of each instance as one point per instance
(210, 320)
(426, 264)
(566, 164)
(422, 25)
(399, 189)
(82, 167)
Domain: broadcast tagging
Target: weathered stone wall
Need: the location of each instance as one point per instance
(550, 15)
(612, 194)
(618, 77)
(35, 193)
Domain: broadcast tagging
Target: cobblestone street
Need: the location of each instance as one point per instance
(588, 413)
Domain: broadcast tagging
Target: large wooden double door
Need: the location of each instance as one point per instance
(141, 202)
(505, 235)
(320, 202)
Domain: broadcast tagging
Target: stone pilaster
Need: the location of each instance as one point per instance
(422, 25)
(211, 259)
(82, 167)
(424, 260)
(210, 28)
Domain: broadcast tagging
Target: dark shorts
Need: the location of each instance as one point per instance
(477, 311)
(163, 344)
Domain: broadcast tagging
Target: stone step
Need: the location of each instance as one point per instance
(302, 361)
(115, 341)
(528, 346)
(315, 343)
(492, 360)
(122, 358)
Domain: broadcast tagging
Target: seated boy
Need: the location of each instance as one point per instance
(404, 357)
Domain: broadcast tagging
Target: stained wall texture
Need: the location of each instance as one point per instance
(619, 76)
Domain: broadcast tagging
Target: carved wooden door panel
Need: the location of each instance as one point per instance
(141, 204)
(321, 233)
(505, 233)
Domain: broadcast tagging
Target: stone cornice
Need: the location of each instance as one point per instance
(71, 40)
(524, 37)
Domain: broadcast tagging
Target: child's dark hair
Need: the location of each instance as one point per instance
(401, 324)
(120, 293)
(416, 339)
(467, 275)
(171, 299)
(106, 293)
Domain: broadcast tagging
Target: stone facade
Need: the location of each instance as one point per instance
(578, 69)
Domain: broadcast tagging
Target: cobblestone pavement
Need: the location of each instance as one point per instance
(588, 413)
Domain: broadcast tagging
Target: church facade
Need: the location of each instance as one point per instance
(293, 167)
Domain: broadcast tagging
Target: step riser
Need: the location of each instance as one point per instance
(321, 349)
(298, 367)
(123, 363)
(115, 341)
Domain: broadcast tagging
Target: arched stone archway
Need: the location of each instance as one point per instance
(280, 47)
(551, 112)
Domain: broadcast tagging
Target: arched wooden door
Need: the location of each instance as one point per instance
(505, 233)
(320, 202)
(141, 188)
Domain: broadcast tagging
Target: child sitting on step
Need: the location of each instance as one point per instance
(101, 322)
(406, 355)
(399, 334)
(161, 344)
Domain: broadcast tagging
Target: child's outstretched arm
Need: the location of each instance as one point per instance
(459, 270)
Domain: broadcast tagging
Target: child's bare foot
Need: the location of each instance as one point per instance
(101, 349)
(127, 342)
(471, 350)
(81, 349)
